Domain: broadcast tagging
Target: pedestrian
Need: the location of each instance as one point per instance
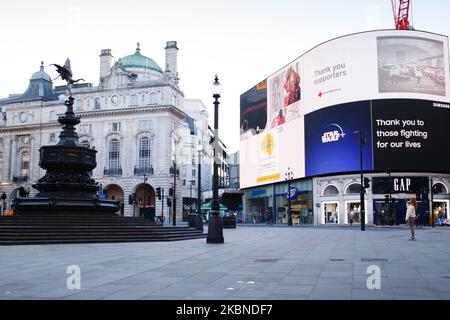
(351, 216)
(410, 218)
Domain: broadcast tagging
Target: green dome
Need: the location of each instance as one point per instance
(137, 60)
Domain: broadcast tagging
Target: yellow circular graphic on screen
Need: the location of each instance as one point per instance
(268, 144)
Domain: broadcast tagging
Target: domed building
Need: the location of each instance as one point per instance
(138, 120)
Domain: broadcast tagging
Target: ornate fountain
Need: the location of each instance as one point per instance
(67, 186)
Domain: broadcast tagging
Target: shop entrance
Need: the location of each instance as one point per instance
(353, 208)
(257, 208)
(389, 214)
(330, 213)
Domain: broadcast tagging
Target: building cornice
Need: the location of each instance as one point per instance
(100, 113)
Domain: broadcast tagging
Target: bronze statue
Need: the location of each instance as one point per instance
(66, 74)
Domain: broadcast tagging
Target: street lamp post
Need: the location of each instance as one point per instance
(198, 217)
(215, 227)
(4, 203)
(362, 142)
(289, 175)
(174, 200)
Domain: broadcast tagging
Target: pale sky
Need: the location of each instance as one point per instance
(243, 41)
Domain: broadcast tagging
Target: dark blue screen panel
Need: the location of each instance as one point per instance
(331, 146)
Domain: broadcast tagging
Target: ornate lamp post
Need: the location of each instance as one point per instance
(288, 176)
(215, 227)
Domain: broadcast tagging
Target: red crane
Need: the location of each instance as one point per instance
(401, 11)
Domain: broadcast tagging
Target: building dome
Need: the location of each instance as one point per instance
(137, 60)
(41, 74)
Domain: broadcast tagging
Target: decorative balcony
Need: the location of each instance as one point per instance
(112, 171)
(20, 179)
(144, 169)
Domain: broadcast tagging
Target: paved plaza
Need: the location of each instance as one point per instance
(255, 263)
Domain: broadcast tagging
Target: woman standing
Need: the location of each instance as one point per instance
(410, 218)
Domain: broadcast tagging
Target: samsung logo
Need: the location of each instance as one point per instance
(441, 105)
(333, 135)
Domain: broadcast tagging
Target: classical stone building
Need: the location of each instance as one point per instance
(138, 120)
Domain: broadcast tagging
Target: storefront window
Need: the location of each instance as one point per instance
(353, 211)
(301, 205)
(330, 212)
(259, 203)
(440, 212)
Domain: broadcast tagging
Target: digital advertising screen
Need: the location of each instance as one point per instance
(331, 144)
(323, 94)
(411, 135)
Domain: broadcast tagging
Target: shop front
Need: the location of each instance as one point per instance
(270, 204)
(391, 195)
(257, 203)
(301, 197)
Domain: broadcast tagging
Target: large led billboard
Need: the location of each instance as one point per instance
(302, 118)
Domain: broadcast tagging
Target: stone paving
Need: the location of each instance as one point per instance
(255, 263)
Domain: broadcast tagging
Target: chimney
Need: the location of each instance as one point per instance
(106, 59)
(171, 59)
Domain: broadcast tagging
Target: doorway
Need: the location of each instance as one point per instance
(330, 213)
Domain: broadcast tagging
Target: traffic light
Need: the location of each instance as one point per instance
(171, 192)
(158, 193)
(366, 183)
(169, 202)
(131, 198)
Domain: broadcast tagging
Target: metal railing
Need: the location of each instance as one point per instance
(112, 171)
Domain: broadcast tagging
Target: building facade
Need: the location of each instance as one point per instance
(137, 119)
(376, 103)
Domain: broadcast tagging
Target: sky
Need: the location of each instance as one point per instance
(243, 41)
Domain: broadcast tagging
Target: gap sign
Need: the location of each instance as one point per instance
(384, 185)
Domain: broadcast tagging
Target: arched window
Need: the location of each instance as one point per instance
(144, 154)
(152, 98)
(354, 188)
(85, 143)
(439, 188)
(114, 157)
(330, 191)
(25, 166)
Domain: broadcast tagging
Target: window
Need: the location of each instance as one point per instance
(85, 143)
(53, 116)
(52, 137)
(354, 188)
(1, 155)
(25, 163)
(144, 153)
(114, 156)
(97, 103)
(330, 190)
(79, 104)
(184, 182)
(153, 98)
(174, 100)
(193, 172)
(133, 100)
(1, 141)
(115, 126)
(192, 182)
(144, 124)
